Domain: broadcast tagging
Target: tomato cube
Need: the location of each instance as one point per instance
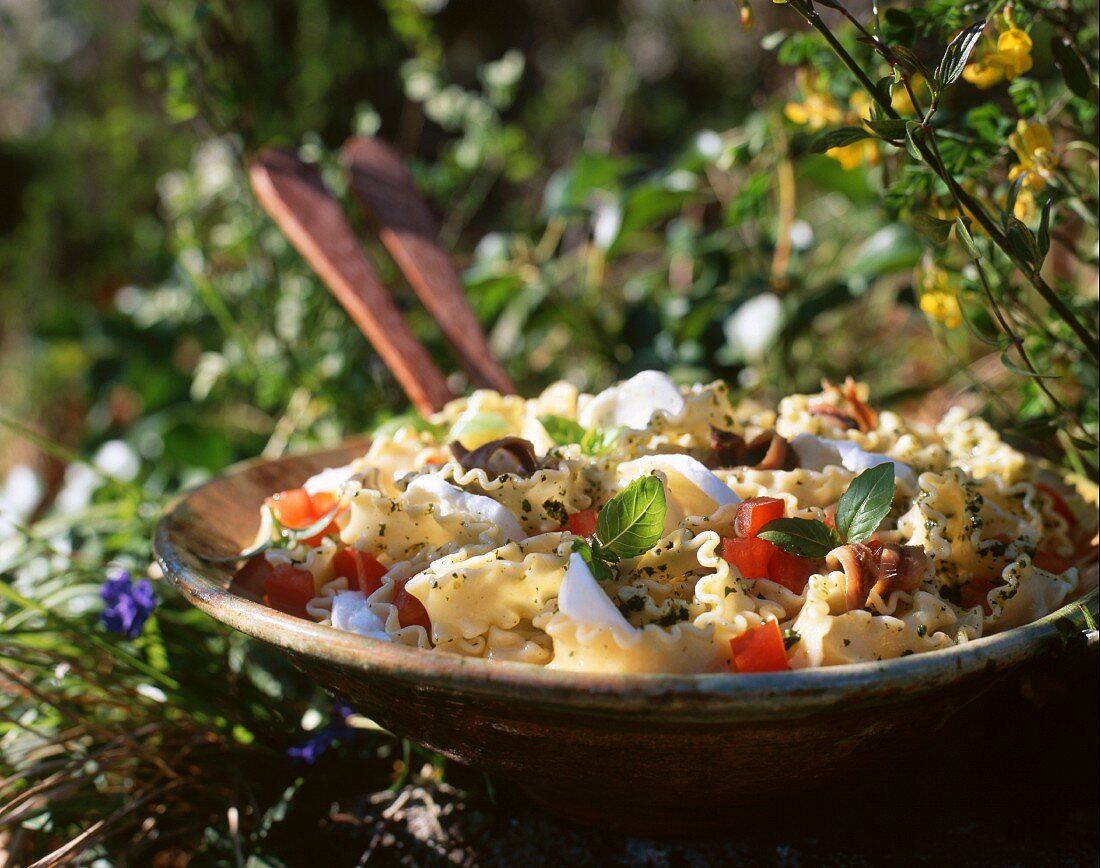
(288, 589)
(792, 571)
(760, 649)
(753, 514)
(1051, 562)
(252, 575)
(410, 611)
(1058, 503)
(582, 523)
(749, 555)
(294, 509)
(363, 571)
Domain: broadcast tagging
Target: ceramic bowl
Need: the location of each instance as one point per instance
(648, 753)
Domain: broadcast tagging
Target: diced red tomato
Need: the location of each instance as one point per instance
(297, 509)
(753, 514)
(792, 571)
(252, 575)
(582, 523)
(750, 555)
(293, 508)
(1051, 562)
(288, 589)
(410, 611)
(360, 568)
(1058, 503)
(974, 594)
(760, 649)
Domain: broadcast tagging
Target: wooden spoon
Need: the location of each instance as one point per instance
(293, 193)
(381, 183)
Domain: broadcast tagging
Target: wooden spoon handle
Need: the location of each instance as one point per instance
(294, 195)
(383, 186)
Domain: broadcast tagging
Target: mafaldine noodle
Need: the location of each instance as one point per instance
(477, 532)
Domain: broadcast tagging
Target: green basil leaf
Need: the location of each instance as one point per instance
(597, 441)
(634, 519)
(954, 59)
(601, 572)
(562, 431)
(805, 537)
(865, 504)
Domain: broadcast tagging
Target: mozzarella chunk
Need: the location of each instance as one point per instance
(816, 453)
(583, 600)
(633, 402)
(351, 612)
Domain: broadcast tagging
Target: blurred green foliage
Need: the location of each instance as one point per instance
(625, 185)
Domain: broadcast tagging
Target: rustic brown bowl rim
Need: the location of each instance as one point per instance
(711, 696)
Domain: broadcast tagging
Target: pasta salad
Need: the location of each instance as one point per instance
(657, 528)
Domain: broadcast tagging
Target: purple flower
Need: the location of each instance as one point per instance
(336, 730)
(128, 606)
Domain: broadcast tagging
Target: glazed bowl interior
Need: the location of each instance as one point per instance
(621, 749)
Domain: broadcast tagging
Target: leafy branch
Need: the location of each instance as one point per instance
(919, 138)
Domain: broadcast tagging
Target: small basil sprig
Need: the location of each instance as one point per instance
(564, 432)
(630, 524)
(859, 512)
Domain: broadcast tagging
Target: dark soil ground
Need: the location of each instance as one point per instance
(1012, 781)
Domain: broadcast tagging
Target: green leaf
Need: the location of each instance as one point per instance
(914, 134)
(805, 537)
(837, 139)
(1022, 243)
(1024, 372)
(932, 227)
(954, 59)
(865, 504)
(634, 519)
(910, 60)
(1073, 69)
(1043, 238)
(1042, 428)
(891, 129)
(601, 572)
(966, 239)
(479, 423)
(900, 28)
(597, 441)
(561, 430)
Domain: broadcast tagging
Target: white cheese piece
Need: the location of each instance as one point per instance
(331, 479)
(633, 402)
(816, 453)
(583, 600)
(691, 487)
(350, 612)
(449, 500)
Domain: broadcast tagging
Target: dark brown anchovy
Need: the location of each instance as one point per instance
(890, 568)
(507, 455)
(834, 413)
(766, 451)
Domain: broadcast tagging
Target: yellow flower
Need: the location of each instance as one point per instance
(1034, 147)
(854, 155)
(936, 300)
(1025, 208)
(816, 112)
(900, 101)
(1011, 59)
(942, 307)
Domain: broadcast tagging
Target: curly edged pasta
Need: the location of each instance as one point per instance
(658, 528)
